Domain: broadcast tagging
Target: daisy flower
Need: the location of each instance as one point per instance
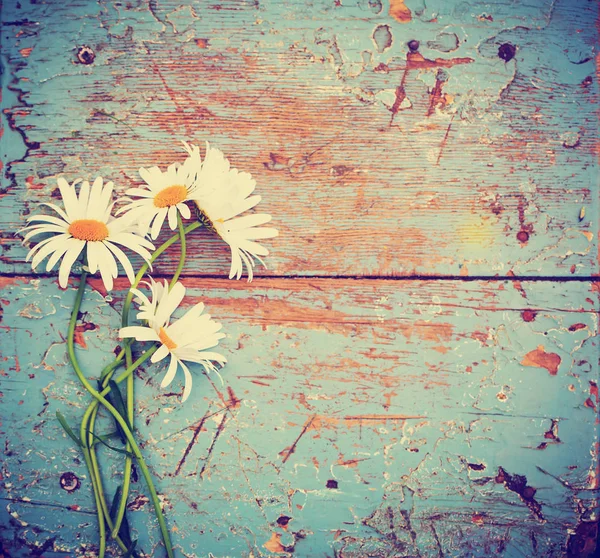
(85, 222)
(184, 340)
(164, 194)
(221, 194)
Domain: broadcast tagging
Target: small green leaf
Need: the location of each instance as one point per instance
(68, 429)
(105, 437)
(116, 399)
(131, 550)
(114, 507)
(124, 452)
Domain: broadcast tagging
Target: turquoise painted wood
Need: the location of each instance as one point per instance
(365, 411)
(353, 419)
(475, 156)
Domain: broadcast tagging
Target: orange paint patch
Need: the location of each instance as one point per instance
(539, 358)
(79, 339)
(25, 52)
(31, 185)
(274, 544)
(416, 61)
(399, 11)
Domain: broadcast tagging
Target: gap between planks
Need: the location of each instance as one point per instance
(406, 278)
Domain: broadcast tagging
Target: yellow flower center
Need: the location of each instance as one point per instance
(166, 340)
(171, 195)
(89, 230)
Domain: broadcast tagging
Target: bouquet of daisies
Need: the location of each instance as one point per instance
(206, 192)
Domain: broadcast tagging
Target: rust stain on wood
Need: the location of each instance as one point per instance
(539, 358)
(399, 11)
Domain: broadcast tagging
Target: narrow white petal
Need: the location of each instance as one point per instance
(172, 217)
(158, 222)
(107, 265)
(69, 197)
(187, 389)
(41, 229)
(247, 221)
(59, 251)
(123, 259)
(92, 256)
(58, 210)
(184, 210)
(46, 247)
(162, 352)
(49, 243)
(170, 372)
(76, 246)
(139, 333)
(84, 198)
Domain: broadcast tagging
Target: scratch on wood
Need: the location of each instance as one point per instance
(197, 430)
(292, 448)
(213, 443)
(445, 140)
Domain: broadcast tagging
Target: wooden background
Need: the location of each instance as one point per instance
(416, 374)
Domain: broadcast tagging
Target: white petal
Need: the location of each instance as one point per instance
(170, 372)
(258, 233)
(184, 210)
(139, 333)
(41, 229)
(123, 259)
(76, 246)
(158, 222)
(92, 256)
(58, 210)
(69, 197)
(173, 217)
(84, 197)
(162, 352)
(46, 247)
(94, 210)
(169, 303)
(188, 382)
(107, 265)
(49, 245)
(247, 221)
(59, 251)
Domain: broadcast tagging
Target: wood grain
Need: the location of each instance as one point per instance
(472, 156)
(377, 418)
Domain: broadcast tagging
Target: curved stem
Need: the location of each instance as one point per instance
(128, 462)
(122, 423)
(86, 433)
(182, 254)
(86, 453)
(127, 304)
(130, 383)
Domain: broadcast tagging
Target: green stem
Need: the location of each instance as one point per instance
(126, 305)
(89, 420)
(127, 470)
(86, 453)
(127, 432)
(86, 433)
(182, 254)
(130, 383)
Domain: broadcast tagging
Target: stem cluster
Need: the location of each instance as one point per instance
(112, 520)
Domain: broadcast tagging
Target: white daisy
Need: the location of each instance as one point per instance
(185, 340)
(165, 193)
(85, 222)
(221, 193)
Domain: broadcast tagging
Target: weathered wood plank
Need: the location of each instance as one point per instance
(475, 159)
(375, 417)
